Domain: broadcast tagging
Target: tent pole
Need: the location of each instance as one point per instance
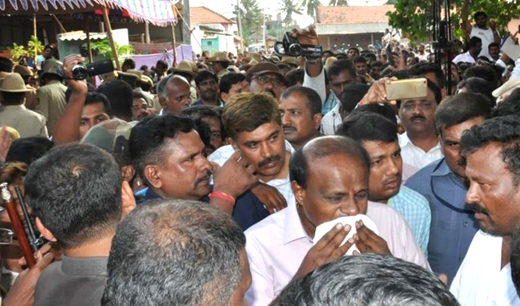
(87, 28)
(111, 38)
(174, 43)
(35, 33)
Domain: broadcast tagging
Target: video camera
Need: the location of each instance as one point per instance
(289, 46)
(81, 72)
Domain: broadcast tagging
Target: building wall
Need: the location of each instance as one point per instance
(342, 41)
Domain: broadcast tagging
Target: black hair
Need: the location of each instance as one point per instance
(509, 106)
(75, 190)
(27, 150)
(478, 14)
(484, 72)
(323, 147)
(383, 109)
(148, 137)
(6, 65)
(436, 91)
(68, 92)
(96, 97)
(129, 62)
(503, 130)
(460, 108)
(162, 63)
(421, 69)
(515, 259)
(204, 75)
(12, 98)
(359, 59)
(119, 93)
(313, 99)
(174, 252)
(493, 44)
(473, 41)
(230, 79)
(351, 95)
(367, 279)
(479, 86)
(294, 76)
(340, 65)
(368, 126)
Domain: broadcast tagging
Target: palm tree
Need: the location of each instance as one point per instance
(290, 7)
(252, 18)
(312, 7)
(338, 2)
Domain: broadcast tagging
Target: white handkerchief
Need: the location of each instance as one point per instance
(324, 228)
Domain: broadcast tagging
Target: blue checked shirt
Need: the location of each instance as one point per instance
(416, 211)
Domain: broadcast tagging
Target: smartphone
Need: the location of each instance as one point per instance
(407, 89)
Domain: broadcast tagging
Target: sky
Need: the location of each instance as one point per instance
(271, 7)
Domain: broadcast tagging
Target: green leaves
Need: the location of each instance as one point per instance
(415, 17)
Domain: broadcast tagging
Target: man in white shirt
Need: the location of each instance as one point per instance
(329, 178)
(419, 144)
(492, 153)
(474, 48)
(480, 29)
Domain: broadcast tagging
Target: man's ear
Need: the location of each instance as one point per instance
(317, 120)
(127, 199)
(127, 172)
(224, 97)
(162, 101)
(299, 193)
(153, 176)
(44, 231)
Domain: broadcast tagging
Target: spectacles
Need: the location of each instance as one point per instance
(263, 79)
(6, 236)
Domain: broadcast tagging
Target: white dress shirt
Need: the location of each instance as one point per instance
(480, 279)
(331, 121)
(464, 58)
(414, 158)
(277, 245)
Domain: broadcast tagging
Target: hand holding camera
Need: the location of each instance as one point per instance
(300, 43)
(69, 63)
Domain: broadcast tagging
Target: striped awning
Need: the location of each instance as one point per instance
(154, 11)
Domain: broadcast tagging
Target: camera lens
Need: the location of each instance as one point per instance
(79, 72)
(295, 49)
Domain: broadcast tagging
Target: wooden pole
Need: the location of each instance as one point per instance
(35, 33)
(174, 43)
(62, 28)
(87, 27)
(147, 32)
(111, 38)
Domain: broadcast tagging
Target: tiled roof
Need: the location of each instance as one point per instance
(203, 15)
(353, 14)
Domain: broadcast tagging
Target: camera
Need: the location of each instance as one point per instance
(289, 46)
(81, 72)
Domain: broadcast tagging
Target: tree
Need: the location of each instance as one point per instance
(34, 46)
(414, 17)
(338, 2)
(312, 7)
(252, 18)
(290, 7)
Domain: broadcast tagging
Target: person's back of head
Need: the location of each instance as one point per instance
(424, 69)
(509, 106)
(177, 252)
(478, 86)
(119, 93)
(295, 77)
(367, 279)
(484, 72)
(351, 95)
(6, 65)
(75, 192)
(368, 126)
(383, 109)
(28, 149)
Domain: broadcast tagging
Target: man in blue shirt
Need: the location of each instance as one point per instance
(443, 183)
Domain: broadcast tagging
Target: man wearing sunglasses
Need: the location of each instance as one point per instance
(266, 77)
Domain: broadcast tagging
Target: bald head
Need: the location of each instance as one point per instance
(321, 147)
(174, 93)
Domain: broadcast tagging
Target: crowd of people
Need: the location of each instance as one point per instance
(205, 183)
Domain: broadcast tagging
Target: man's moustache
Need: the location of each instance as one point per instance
(269, 160)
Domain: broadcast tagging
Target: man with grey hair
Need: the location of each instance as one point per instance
(174, 94)
(177, 252)
(368, 279)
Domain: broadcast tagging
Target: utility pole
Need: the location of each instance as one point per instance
(239, 20)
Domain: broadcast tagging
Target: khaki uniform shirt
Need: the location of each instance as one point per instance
(51, 102)
(222, 73)
(26, 122)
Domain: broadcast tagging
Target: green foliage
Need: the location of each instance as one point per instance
(34, 46)
(102, 48)
(414, 17)
(312, 7)
(290, 7)
(18, 51)
(252, 18)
